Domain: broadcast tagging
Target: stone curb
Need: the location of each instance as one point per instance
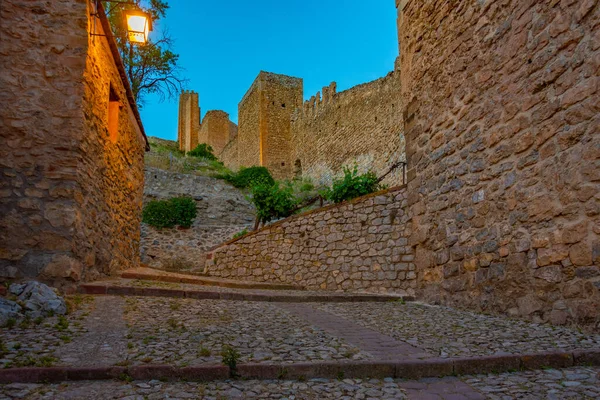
(430, 368)
(99, 289)
(197, 280)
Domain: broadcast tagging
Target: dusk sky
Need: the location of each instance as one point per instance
(223, 44)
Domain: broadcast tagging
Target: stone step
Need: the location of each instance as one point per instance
(143, 288)
(401, 369)
(151, 274)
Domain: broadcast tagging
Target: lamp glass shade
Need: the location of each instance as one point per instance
(138, 26)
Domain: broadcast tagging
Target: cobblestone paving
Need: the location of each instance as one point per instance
(191, 332)
(572, 383)
(35, 342)
(447, 332)
(104, 340)
(381, 347)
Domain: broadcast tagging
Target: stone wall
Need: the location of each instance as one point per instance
(362, 125)
(229, 156)
(222, 212)
(502, 128)
(361, 245)
(70, 195)
(264, 134)
(189, 120)
(216, 130)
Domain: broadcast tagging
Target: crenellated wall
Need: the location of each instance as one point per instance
(362, 125)
(501, 109)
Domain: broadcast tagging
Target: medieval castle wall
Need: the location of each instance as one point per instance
(216, 129)
(362, 126)
(189, 120)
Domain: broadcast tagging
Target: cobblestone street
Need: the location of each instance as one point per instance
(188, 332)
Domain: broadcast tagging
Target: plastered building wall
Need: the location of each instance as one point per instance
(502, 124)
(362, 126)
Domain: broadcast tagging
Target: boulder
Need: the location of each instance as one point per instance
(39, 300)
(9, 309)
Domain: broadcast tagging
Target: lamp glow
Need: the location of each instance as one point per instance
(138, 26)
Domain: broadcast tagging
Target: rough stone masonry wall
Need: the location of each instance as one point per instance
(362, 125)
(230, 156)
(222, 212)
(63, 216)
(280, 96)
(110, 172)
(42, 59)
(215, 130)
(249, 151)
(361, 245)
(189, 120)
(502, 128)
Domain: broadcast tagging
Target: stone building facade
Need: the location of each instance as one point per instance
(316, 138)
(501, 111)
(71, 159)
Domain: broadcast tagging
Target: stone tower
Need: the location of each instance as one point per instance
(264, 132)
(189, 120)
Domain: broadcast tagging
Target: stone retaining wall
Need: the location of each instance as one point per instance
(359, 245)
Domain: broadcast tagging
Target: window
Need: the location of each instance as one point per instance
(114, 106)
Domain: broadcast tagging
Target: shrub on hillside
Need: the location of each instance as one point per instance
(203, 150)
(168, 213)
(273, 201)
(248, 177)
(353, 185)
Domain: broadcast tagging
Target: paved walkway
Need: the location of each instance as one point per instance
(104, 340)
(381, 347)
(133, 331)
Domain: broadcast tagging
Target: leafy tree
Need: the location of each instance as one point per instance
(272, 201)
(151, 67)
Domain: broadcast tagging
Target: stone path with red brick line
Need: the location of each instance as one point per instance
(381, 347)
(368, 346)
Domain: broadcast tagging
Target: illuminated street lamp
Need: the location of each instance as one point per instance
(139, 25)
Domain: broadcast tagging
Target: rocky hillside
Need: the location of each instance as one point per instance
(222, 209)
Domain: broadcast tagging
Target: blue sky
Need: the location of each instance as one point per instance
(223, 44)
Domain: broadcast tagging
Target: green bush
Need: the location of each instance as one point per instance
(168, 213)
(273, 201)
(203, 150)
(158, 214)
(184, 209)
(353, 185)
(248, 177)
